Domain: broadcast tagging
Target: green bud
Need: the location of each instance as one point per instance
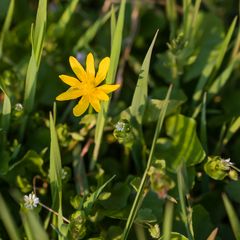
(233, 174)
(154, 231)
(123, 132)
(217, 168)
(77, 225)
(161, 183)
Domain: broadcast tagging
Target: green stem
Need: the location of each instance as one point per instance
(140, 193)
(181, 191)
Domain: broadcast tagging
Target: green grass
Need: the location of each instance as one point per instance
(154, 162)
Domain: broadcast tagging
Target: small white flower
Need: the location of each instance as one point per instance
(120, 126)
(227, 161)
(31, 201)
(64, 173)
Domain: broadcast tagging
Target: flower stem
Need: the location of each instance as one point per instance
(52, 211)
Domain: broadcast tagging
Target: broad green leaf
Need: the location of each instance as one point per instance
(232, 215)
(183, 145)
(94, 196)
(202, 225)
(6, 25)
(31, 161)
(140, 95)
(233, 190)
(8, 220)
(118, 198)
(114, 58)
(145, 215)
(91, 32)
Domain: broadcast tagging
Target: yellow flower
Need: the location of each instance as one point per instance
(86, 85)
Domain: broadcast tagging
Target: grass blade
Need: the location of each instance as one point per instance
(6, 25)
(203, 125)
(8, 220)
(60, 26)
(32, 225)
(6, 111)
(55, 171)
(113, 22)
(167, 221)
(115, 54)
(140, 95)
(214, 66)
(37, 33)
(139, 197)
(4, 126)
(234, 221)
(182, 192)
(172, 17)
(213, 234)
(186, 17)
(234, 127)
(91, 32)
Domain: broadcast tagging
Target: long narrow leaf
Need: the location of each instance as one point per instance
(115, 54)
(55, 171)
(6, 25)
(234, 127)
(234, 221)
(141, 91)
(167, 222)
(37, 33)
(91, 32)
(32, 225)
(139, 197)
(214, 66)
(8, 220)
(60, 27)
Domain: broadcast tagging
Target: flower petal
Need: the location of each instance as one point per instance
(107, 88)
(102, 70)
(71, 93)
(71, 81)
(77, 69)
(81, 107)
(90, 68)
(101, 95)
(95, 103)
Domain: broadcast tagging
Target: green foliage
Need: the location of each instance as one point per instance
(163, 151)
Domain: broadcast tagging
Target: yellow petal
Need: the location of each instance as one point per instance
(95, 103)
(77, 69)
(71, 81)
(81, 107)
(101, 95)
(102, 70)
(107, 88)
(90, 65)
(69, 94)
